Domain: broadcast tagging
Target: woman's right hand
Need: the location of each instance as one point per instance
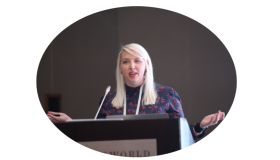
(55, 119)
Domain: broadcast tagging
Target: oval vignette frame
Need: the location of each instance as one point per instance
(186, 56)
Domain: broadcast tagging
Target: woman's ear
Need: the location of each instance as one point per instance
(147, 64)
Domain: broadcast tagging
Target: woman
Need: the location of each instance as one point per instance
(137, 93)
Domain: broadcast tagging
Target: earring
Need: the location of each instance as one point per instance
(121, 72)
(145, 73)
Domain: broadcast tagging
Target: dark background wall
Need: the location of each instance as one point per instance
(80, 62)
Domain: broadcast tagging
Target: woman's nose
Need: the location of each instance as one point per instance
(132, 65)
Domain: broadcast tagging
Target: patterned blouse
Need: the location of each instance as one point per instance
(168, 101)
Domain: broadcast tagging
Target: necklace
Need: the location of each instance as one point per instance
(138, 105)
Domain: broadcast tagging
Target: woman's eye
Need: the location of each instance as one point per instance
(124, 62)
(138, 61)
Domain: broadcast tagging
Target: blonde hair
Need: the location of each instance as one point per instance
(150, 94)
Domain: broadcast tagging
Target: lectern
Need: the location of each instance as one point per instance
(131, 138)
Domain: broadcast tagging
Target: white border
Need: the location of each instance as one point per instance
(250, 31)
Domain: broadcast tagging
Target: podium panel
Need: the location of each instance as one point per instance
(127, 148)
(168, 135)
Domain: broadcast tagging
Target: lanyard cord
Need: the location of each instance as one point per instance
(138, 105)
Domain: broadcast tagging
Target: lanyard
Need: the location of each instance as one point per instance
(138, 105)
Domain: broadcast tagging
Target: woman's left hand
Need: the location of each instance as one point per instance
(212, 119)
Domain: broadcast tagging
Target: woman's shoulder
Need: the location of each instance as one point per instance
(112, 93)
(162, 88)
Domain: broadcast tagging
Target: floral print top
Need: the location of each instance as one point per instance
(168, 101)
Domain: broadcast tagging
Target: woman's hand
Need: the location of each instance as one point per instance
(212, 119)
(58, 119)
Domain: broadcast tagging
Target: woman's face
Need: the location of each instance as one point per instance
(132, 68)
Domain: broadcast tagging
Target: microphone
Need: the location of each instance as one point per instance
(106, 92)
(108, 89)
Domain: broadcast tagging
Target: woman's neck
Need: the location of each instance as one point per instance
(134, 85)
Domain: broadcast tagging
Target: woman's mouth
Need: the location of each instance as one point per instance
(132, 74)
